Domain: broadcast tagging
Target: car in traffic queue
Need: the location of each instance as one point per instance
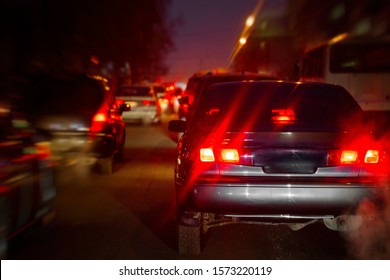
(173, 94)
(199, 83)
(276, 152)
(27, 188)
(81, 118)
(161, 94)
(144, 103)
(170, 101)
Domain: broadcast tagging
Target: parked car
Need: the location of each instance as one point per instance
(199, 83)
(27, 189)
(81, 118)
(277, 152)
(143, 100)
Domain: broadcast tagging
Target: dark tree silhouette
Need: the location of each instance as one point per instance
(120, 37)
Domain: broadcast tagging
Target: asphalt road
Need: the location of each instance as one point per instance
(131, 215)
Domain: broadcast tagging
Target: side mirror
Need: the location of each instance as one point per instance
(177, 126)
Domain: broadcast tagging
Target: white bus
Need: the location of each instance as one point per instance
(361, 65)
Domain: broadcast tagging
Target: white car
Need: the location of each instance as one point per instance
(144, 104)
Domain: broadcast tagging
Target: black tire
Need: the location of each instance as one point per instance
(190, 236)
(189, 240)
(105, 165)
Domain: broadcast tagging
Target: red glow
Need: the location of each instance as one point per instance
(354, 156)
(372, 156)
(98, 122)
(230, 155)
(95, 60)
(225, 155)
(148, 102)
(100, 117)
(348, 157)
(207, 155)
(119, 102)
(283, 115)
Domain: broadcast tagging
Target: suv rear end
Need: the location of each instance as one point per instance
(275, 152)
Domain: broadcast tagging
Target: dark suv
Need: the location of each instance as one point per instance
(276, 152)
(80, 116)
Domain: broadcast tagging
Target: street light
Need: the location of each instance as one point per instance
(242, 41)
(245, 33)
(249, 21)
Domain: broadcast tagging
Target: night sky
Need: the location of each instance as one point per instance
(207, 35)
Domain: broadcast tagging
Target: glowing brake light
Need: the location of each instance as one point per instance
(207, 155)
(348, 156)
(148, 102)
(224, 155)
(372, 156)
(283, 115)
(230, 155)
(98, 121)
(100, 117)
(354, 156)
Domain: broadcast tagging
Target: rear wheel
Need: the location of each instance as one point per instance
(189, 235)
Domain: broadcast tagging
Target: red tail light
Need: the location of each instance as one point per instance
(348, 157)
(100, 117)
(207, 155)
(148, 102)
(98, 122)
(230, 155)
(372, 156)
(224, 155)
(344, 157)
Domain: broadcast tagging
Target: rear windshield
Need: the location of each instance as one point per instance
(258, 106)
(208, 81)
(134, 91)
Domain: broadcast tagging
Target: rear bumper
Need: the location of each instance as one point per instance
(134, 115)
(259, 199)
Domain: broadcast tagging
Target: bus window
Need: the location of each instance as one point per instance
(362, 58)
(361, 65)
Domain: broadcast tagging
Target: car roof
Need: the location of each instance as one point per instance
(235, 74)
(281, 82)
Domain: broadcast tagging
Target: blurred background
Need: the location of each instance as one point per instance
(169, 40)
